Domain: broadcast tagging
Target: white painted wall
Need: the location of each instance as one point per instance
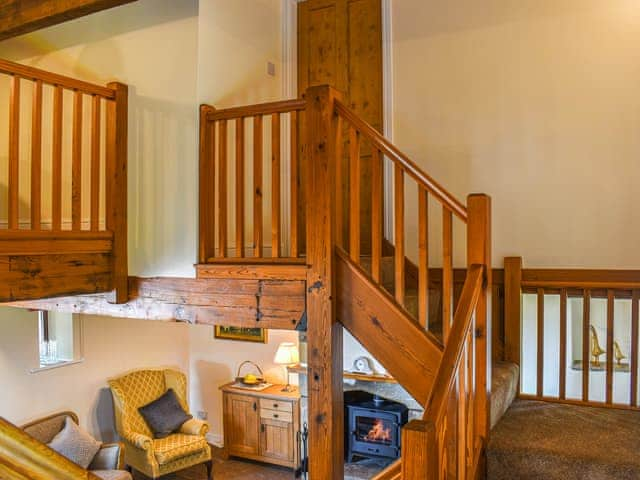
(112, 346)
(536, 103)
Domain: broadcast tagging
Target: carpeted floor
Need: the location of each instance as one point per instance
(540, 440)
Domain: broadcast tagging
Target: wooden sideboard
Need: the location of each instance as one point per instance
(261, 425)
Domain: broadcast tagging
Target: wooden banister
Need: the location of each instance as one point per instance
(565, 284)
(84, 232)
(284, 106)
(215, 165)
(34, 74)
(408, 166)
(452, 355)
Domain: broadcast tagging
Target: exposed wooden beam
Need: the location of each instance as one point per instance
(18, 17)
(213, 301)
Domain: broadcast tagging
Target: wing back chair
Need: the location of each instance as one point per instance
(157, 457)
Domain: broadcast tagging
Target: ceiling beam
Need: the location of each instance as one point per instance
(18, 17)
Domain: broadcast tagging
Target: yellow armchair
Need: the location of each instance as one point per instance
(157, 457)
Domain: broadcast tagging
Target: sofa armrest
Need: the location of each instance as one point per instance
(109, 457)
(139, 440)
(194, 427)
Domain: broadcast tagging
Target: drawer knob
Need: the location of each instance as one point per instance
(275, 405)
(275, 415)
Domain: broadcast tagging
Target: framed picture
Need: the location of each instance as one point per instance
(258, 335)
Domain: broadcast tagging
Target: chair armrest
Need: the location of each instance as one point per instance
(139, 440)
(194, 427)
(109, 457)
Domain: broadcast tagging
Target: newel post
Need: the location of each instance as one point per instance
(479, 252)
(206, 187)
(419, 451)
(116, 187)
(324, 333)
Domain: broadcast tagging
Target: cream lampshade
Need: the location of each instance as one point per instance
(287, 355)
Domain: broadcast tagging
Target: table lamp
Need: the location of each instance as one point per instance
(287, 355)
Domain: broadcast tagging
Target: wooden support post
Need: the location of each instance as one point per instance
(512, 308)
(419, 451)
(207, 183)
(116, 187)
(479, 252)
(326, 414)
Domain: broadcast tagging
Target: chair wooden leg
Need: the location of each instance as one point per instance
(209, 466)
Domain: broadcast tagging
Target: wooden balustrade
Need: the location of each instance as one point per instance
(216, 202)
(361, 137)
(62, 201)
(563, 286)
(451, 452)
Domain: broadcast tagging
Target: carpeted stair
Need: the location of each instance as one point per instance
(552, 441)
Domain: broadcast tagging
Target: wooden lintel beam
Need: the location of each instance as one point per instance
(18, 17)
(237, 302)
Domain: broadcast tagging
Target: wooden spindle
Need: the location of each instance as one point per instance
(76, 164)
(376, 214)
(257, 186)
(398, 194)
(609, 353)
(222, 188)
(95, 162)
(341, 186)
(14, 153)
(240, 187)
(462, 417)
(586, 319)
(354, 194)
(635, 307)
(540, 345)
(423, 257)
(293, 185)
(562, 386)
(275, 185)
(36, 157)
(56, 161)
(447, 271)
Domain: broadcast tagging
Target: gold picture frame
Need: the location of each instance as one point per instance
(241, 334)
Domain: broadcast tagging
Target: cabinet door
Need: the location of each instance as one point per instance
(241, 424)
(276, 440)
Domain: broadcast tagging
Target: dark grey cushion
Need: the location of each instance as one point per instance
(164, 415)
(75, 444)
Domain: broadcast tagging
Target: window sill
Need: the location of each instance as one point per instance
(53, 366)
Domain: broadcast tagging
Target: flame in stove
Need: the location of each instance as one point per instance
(378, 433)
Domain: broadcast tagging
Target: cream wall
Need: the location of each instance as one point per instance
(111, 347)
(536, 103)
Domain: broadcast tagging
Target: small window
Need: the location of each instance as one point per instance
(59, 339)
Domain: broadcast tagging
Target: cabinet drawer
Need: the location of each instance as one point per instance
(276, 415)
(276, 405)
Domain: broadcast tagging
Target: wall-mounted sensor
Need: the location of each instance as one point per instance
(271, 69)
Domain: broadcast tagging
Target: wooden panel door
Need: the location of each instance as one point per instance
(241, 426)
(276, 440)
(340, 44)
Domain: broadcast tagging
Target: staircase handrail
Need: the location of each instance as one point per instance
(398, 157)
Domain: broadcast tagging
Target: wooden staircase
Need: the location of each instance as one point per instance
(397, 306)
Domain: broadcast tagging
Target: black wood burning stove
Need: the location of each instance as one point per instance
(373, 427)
